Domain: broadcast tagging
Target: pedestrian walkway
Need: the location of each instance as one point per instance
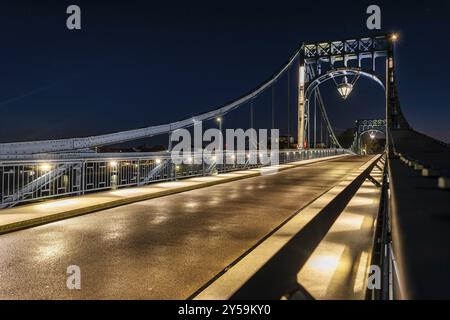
(52, 210)
(324, 250)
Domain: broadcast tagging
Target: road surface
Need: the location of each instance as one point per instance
(164, 248)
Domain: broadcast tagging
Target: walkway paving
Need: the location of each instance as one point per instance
(338, 267)
(52, 210)
(321, 253)
(163, 248)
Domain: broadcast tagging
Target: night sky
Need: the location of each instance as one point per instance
(139, 63)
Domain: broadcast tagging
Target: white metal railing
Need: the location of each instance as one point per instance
(29, 180)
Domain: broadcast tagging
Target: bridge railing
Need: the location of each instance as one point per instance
(29, 180)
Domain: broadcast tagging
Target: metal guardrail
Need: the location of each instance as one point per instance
(381, 255)
(418, 215)
(29, 180)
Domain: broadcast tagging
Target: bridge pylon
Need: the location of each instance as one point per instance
(326, 60)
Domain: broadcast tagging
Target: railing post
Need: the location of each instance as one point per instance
(138, 176)
(174, 168)
(83, 176)
(2, 185)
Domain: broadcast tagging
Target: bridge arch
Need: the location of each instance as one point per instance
(364, 126)
(313, 87)
(365, 132)
(341, 72)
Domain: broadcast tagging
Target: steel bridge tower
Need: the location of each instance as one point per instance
(328, 60)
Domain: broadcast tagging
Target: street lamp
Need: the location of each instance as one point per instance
(45, 167)
(344, 88)
(113, 164)
(219, 121)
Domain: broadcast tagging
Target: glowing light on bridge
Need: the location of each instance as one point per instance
(45, 167)
(113, 164)
(345, 89)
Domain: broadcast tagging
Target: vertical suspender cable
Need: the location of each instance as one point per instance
(251, 117)
(321, 130)
(315, 122)
(308, 109)
(331, 133)
(288, 107)
(169, 145)
(251, 114)
(273, 106)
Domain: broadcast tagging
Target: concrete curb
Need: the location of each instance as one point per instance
(15, 226)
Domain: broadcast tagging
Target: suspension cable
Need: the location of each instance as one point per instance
(327, 121)
(315, 123)
(273, 105)
(288, 106)
(251, 114)
(321, 130)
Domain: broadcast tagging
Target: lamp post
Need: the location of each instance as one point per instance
(394, 37)
(219, 121)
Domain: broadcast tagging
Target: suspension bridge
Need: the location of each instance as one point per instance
(224, 229)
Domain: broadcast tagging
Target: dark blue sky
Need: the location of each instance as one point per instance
(139, 63)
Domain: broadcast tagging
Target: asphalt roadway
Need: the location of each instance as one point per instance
(164, 248)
